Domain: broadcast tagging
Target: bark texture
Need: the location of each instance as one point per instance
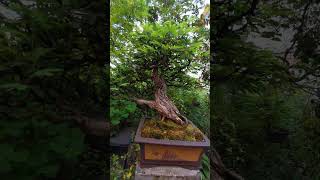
(162, 103)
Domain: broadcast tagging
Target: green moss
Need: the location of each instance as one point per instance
(168, 129)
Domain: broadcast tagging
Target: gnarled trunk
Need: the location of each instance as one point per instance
(162, 103)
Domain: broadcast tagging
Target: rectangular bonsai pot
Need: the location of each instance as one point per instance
(162, 152)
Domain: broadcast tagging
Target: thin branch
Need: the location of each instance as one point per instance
(299, 31)
(234, 19)
(308, 73)
(88, 125)
(220, 169)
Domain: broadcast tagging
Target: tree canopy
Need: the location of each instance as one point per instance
(152, 36)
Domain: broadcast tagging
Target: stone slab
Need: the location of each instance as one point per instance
(123, 138)
(166, 173)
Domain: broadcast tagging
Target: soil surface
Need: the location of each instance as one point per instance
(170, 130)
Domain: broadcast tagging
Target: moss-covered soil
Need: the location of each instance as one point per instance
(167, 129)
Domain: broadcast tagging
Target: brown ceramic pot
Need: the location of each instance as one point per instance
(162, 152)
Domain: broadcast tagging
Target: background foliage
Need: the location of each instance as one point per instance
(264, 103)
(52, 65)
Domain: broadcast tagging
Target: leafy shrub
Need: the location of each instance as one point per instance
(49, 58)
(28, 152)
(194, 104)
(120, 110)
(117, 170)
(205, 169)
(256, 133)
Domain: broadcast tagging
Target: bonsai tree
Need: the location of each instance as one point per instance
(168, 50)
(162, 102)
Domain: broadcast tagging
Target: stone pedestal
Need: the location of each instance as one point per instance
(166, 173)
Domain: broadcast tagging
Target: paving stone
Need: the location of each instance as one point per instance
(166, 173)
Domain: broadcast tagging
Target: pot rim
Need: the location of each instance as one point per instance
(139, 139)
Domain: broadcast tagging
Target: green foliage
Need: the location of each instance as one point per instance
(205, 169)
(123, 14)
(241, 64)
(120, 110)
(251, 108)
(194, 103)
(173, 43)
(178, 10)
(46, 72)
(29, 153)
(168, 45)
(91, 165)
(261, 118)
(246, 126)
(149, 34)
(50, 58)
(118, 171)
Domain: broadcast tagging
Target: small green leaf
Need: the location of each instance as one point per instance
(14, 86)
(46, 72)
(49, 171)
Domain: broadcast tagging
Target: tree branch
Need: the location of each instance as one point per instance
(299, 31)
(89, 126)
(220, 169)
(234, 19)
